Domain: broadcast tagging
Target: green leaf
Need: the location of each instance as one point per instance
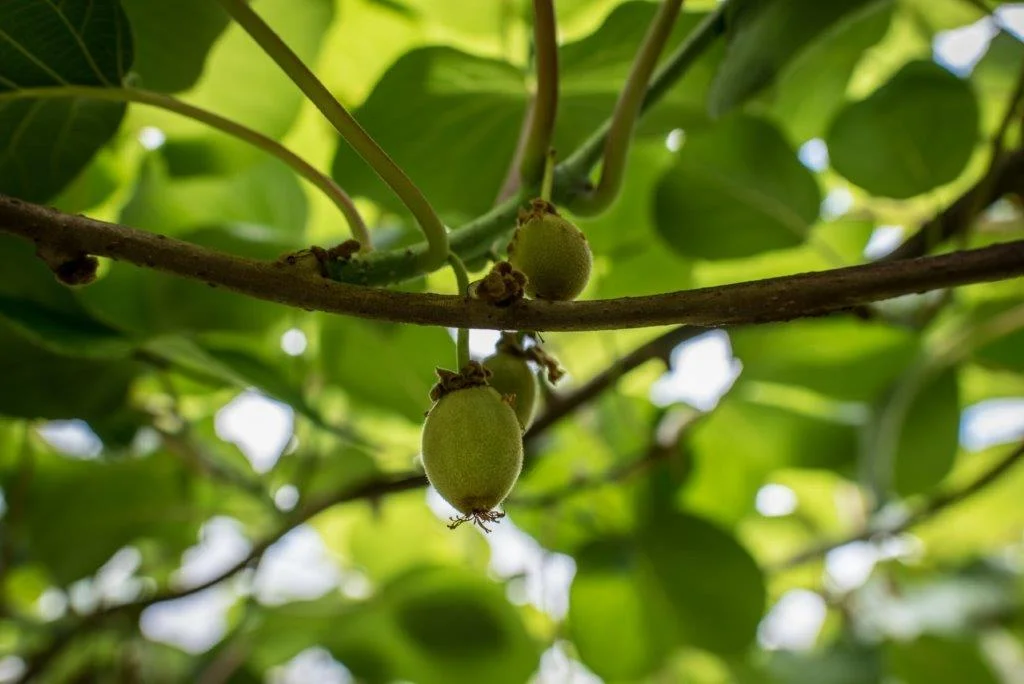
(475, 107)
(440, 625)
(938, 660)
(913, 134)
(813, 86)
(681, 582)
(402, 359)
(606, 591)
(163, 60)
(840, 663)
(842, 358)
(928, 435)
(151, 303)
(38, 383)
(62, 334)
(266, 194)
(763, 36)
(46, 143)
(736, 190)
(746, 438)
(81, 512)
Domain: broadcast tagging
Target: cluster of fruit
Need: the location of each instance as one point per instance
(473, 434)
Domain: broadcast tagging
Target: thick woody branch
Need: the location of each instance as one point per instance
(761, 301)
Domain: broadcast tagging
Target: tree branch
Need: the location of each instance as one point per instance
(658, 348)
(762, 301)
(937, 504)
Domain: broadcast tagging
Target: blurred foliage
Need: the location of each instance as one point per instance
(674, 522)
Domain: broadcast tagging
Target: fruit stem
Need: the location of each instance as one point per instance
(321, 181)
(354, 134)
(549, 177)
(545, 103)
(462, 334)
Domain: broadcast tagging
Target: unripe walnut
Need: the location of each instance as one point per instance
(512, 376)
(552, 253)
(472, 449)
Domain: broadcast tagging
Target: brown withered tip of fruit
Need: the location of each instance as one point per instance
(502, 286)
(552, 252)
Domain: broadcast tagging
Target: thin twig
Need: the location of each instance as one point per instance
(932, 507)
(762, 301)
(563, 405)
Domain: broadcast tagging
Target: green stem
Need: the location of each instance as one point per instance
(462, 335)
(545, 103)
(548, 184)
(620, 133)
(675, 67)
(477, 238)
(437, 236)
(303, 168)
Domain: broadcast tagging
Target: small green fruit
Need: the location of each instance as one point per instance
(472, 449)
(552, 253)
(512, 375)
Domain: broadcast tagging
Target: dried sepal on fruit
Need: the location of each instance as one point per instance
(552, 253)
(472, 445)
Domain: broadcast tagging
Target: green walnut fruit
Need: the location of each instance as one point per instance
(553, 254)
(512, 375)
(472, 449)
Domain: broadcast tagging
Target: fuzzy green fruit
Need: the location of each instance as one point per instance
(472, 449)
(553, 254)
(512, 375)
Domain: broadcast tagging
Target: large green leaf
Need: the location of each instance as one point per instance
(913, 134)
(681, 581)
(148, 302)
(736, 190)
(385, 366)
(80, 512)
(439, 625)
(38, 383)
(936, 660)
(764, 35)
(266, 194)
(46, 142)
(736, 448)
(842, 358)
(928, 427)
(165, 59)
(475, 105)
(813, 86)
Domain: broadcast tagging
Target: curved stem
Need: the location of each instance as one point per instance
(545, 104)
(476, 238)
(303, 168)
(773, 299)
(620, 133)
(675, 67)
(462, 335)
(437, 236)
